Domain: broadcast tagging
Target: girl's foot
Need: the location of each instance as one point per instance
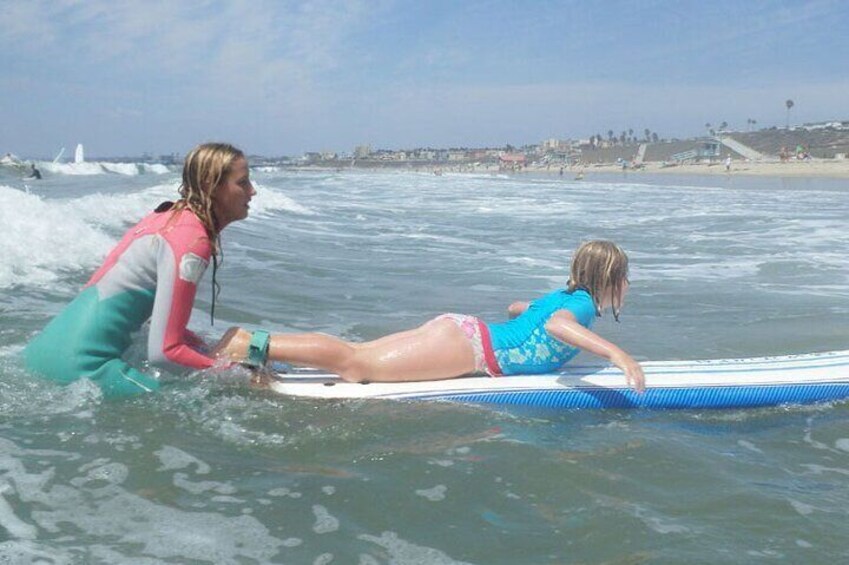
(233, 345)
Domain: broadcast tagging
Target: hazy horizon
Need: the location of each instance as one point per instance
(278, 79)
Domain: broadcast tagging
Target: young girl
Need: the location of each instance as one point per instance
(151, 274)
(541, 336)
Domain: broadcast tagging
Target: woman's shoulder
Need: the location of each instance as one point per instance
(185, 232)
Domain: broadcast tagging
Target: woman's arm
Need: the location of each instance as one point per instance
(181, 261)
(517, 309)
(563, 326)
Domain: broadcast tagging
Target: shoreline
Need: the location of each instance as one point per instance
(814, 168)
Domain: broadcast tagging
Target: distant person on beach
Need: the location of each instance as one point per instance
(34, 173)
(152, 273)
(728, 164)
(541, 336)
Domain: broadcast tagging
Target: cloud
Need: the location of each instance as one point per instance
(321, 73)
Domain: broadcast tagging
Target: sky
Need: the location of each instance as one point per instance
(284, 77)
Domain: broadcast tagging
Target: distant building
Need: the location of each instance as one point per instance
(512, 161)
(362, 151)
(550, 145)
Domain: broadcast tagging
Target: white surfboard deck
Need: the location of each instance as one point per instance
(720, 383)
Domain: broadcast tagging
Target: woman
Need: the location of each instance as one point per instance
(152, 274)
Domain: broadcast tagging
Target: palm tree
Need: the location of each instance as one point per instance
(789, 104)
(654, 137)
(647, 131)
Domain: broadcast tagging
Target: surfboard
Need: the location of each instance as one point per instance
(719, 383)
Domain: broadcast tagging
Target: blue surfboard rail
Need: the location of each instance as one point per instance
(707, 384)
(720, 397)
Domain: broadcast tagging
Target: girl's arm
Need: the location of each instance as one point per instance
(563, 326)
(517, 309)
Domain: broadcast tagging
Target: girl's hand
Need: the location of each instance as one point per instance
(517, 309)
(633, 371)
(563, 326)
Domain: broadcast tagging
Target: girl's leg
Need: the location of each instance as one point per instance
(437, 350)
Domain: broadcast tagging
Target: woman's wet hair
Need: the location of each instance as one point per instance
(205, 168)
(600, 267)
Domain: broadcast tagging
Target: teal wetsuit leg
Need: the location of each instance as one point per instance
(116, 379)
(86, 340)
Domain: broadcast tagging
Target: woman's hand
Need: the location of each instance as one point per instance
(260, 378)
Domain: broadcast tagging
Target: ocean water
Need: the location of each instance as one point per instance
(212, 471)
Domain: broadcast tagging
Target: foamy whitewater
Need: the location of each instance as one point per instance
(212, 471)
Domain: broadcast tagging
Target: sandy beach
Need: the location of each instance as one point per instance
(813, 168)
(827, 168)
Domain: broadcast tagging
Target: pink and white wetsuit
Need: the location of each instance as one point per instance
(151, 274)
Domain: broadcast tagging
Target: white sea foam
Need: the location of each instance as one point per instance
(402, 551)
(114, 515)
(182, 481)
(435, 494)
(801, 507)
(11, 522)
(43, 239)
(129, 169)
(324, 522)
(73, 168)
(102, 167)
(269, 200)
(283, 491)
(26, 551)
(175, 458)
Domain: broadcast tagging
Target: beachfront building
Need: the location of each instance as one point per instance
(704, 151)
(512, 161)
(552, 145)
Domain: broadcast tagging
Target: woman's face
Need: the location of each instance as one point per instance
(232, 198)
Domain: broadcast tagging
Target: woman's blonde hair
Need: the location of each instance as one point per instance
(600, 267)
(205, 168)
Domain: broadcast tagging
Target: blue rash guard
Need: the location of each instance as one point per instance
(522, 346)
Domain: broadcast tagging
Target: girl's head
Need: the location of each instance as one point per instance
(213, 176)
(601, 268)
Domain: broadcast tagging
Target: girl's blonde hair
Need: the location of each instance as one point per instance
(600, 267)
(205, 168)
